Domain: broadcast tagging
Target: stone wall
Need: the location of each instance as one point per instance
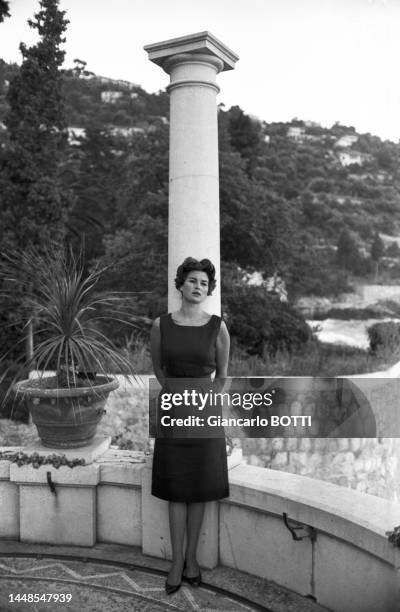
(367, 465)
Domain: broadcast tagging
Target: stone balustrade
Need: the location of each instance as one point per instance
(342, 557)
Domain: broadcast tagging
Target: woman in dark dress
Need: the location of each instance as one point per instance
(188, 472)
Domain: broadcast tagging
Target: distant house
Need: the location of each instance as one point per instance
(74, 133)
(347, 200)
(380, 177)
(388, 240)
(253, 278)
(111, 96)
(296, 133)
(353, 157)
(126, 131)
(274, 285)
(125, 84)
(313, 137)
(133, 95)
(346, 141)
(78, 132)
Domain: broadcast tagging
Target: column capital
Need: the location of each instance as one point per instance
(203, 43)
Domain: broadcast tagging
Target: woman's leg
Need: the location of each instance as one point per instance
(195, 514)
(177, 525)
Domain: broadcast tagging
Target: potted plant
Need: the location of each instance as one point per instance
(63, 310)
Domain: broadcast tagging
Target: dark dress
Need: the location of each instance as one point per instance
(189, 469)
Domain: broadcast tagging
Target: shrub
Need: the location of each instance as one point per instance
(384, 336)
(260, 322)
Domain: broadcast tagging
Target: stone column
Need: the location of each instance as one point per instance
(193, 62)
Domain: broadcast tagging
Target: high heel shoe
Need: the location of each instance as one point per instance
(171, 588)
(194, 580)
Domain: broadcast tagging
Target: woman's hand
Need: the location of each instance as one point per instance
(222, 358)
(155, 349)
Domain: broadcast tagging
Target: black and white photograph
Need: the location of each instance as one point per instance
(199, 306)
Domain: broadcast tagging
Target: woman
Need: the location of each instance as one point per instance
(189, 471)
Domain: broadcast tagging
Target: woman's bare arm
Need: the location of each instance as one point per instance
(222, 357)
(155, 349)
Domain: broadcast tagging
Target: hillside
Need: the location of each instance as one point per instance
(338, 178)
(301, 192)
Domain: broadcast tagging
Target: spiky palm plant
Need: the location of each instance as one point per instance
(65, 308)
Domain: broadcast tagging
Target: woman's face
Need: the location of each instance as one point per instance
(195, 287)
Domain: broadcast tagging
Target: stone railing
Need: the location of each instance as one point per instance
(341, 555)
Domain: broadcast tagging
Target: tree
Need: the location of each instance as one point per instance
(377, 251)
(347, 255)
(377, 248)
(245, 134)
(32, 204)
(259, 321)
(393, 250)
(256, 223)
(133, 208)
(96, 172)
(138, 256)
(4, 10)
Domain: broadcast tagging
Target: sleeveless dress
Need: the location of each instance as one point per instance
(189, 469)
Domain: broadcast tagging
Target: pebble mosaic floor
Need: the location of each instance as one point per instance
(96, 587)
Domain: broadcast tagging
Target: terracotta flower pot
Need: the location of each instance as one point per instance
(66, 418)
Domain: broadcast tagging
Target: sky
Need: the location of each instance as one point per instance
(317, 60)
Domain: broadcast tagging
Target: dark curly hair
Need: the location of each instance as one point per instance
(190, 264)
